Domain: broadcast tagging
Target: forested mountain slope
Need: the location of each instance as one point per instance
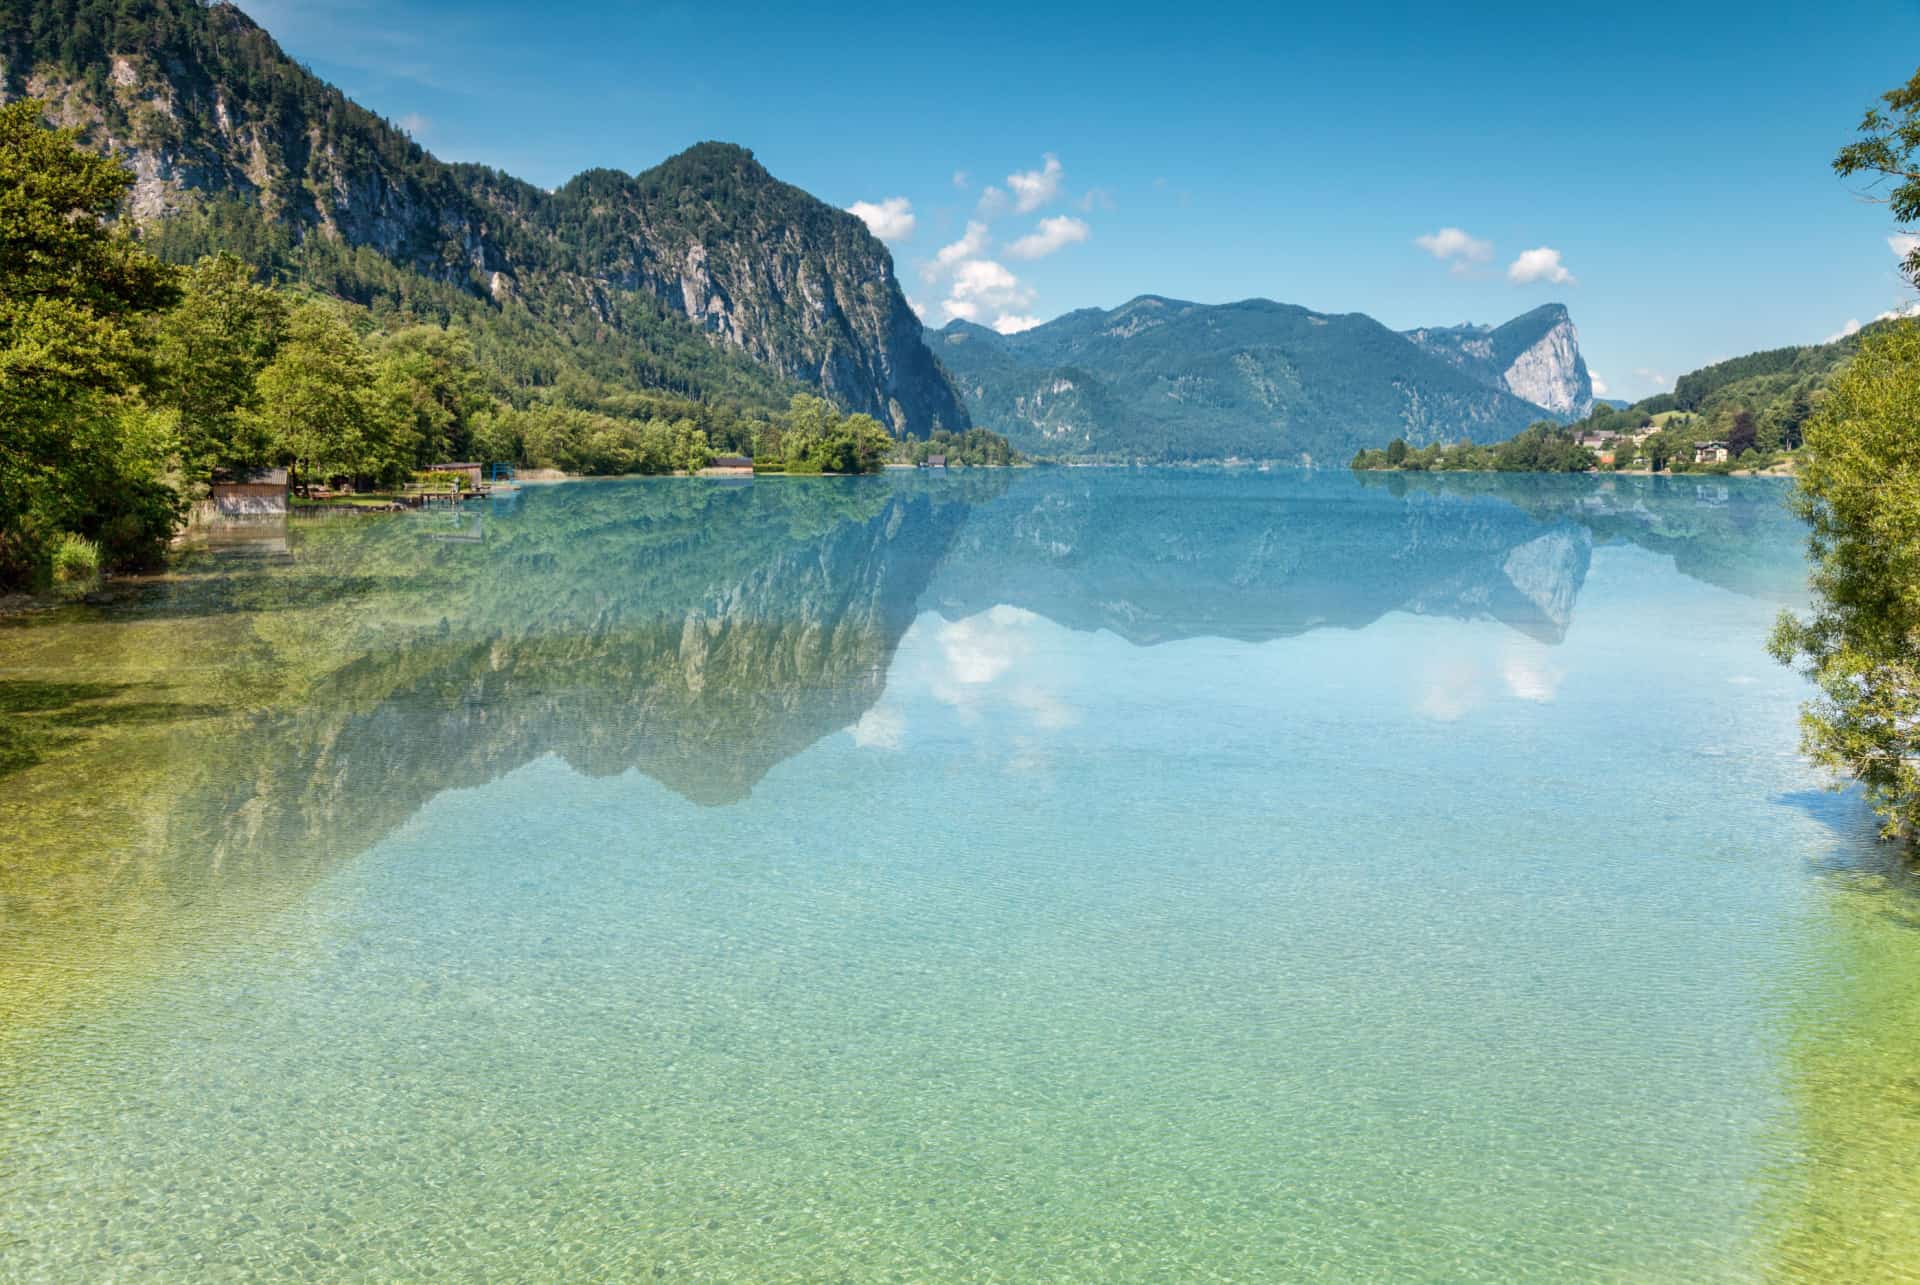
(704, 276)
(1165, 379)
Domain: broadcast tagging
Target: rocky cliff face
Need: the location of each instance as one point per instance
(1536, 357)
(1551, 373)
(210, 114)
(758, 264)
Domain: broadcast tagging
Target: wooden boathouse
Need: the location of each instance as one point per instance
(260, 492)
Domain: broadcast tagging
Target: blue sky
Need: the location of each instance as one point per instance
(1666, 164)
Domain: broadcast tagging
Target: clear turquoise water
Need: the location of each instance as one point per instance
(1060, 876)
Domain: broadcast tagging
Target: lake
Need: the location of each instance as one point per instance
(1068, 874)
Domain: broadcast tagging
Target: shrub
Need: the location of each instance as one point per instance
(74, 559)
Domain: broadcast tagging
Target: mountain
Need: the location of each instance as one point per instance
(1536, 356)
(1165, 379)
(704, 276)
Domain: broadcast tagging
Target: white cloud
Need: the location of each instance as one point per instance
(1903, 244)
(1660, 382)
(982, 286)
(1453, 245)
(880, 728)
(919, 309)
(1541, 264)
(890, 220)
(1599, 381)
(1530, 673)
(990, 283)
(950, 256)
(979, 287)
(416, 126)
(1053, 234)
(981, 277)
(1852, 327)
(981, 648)
(1035, 188)
(1095, 198)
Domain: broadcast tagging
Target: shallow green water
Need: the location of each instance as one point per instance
(1056, 876)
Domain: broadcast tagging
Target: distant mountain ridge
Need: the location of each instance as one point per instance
(235, 146)
(1166, 379)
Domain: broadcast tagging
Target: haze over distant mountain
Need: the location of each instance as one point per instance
(1161, 378)
(704, 276)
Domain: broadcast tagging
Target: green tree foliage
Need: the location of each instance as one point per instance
(1860, 493)
(975, 448)
(431, 386)
(318, 398)
(1544, 447)
(1741, 434)
(816, 438)
(1884, 153)
(1778, 389)
(77, 453)
(212, 348)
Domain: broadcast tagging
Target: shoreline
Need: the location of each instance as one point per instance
(1773, 474)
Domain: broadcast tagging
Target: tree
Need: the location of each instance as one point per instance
(690, 450)
(77, 451)
(1885, 152)
(810, 420)
(1799, 411)
(317, 398)
(432, 387)
(1397, 451)
(1860, 494)
(1543, 447)
(497, 435)
(858, 445)
(1741, 434)
(553, 437)
(212, 348)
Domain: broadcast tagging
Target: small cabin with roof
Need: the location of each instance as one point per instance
(936, 461)
(469, 472)
(1709, 452)
(728, 466)
(249, 493)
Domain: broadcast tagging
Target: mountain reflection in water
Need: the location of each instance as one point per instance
(291, 695)
(1107, 885)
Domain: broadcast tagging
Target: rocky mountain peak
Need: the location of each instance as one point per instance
(220, 126)
(1536, 357)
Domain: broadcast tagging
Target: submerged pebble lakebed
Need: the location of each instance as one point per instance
(1045, 875)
